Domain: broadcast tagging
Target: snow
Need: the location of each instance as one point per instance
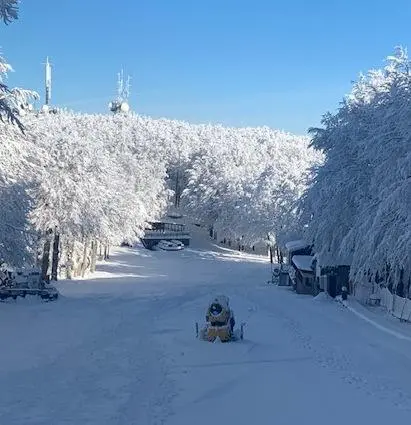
(120, 348)
(295, 245)
(389, 326)
(303, 262)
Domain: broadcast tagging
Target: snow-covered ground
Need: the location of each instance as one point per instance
(120, 348)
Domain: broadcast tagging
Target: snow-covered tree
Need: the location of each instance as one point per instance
(246, 182)
(17, 170)
(9, 10)
(17, 241)
(357, 208)
(13, 102)
(97, 184)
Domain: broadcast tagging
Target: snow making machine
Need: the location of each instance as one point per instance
(220, 322)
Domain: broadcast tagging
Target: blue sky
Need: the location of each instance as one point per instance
(236, 62)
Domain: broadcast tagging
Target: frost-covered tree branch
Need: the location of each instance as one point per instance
(12, 101)
(9, 10)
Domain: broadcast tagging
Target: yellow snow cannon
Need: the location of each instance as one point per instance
(220, 322)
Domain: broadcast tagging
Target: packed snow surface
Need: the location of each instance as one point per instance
(120, 348)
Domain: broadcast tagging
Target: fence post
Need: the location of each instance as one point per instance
(403, 308)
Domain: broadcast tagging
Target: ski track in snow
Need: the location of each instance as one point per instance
(120, 348)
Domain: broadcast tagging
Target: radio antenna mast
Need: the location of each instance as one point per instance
(48, 81)
(123, 93)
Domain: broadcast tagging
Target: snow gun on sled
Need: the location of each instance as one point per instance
(220, 323)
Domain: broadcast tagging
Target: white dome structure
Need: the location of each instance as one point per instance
(124, 107)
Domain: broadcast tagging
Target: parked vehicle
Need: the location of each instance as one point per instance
(170, 245)
(177, 243)
(164, 231)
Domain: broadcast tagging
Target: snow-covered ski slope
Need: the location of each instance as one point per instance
(119, 348)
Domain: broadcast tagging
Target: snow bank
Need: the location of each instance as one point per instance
(323, 297)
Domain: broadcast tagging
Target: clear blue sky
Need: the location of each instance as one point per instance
(237, 62)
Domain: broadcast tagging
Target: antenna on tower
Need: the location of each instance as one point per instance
(123, 94)
(126, 89)
(119, 84)
(48, 81)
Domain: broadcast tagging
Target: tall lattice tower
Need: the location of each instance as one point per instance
(120, 104)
